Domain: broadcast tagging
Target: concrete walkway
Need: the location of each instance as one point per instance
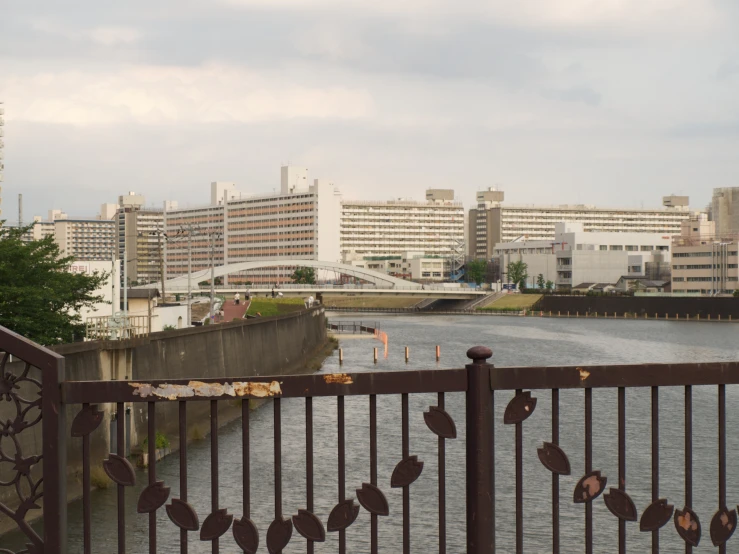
(231, 311)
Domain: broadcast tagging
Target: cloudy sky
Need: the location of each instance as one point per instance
(612, 102)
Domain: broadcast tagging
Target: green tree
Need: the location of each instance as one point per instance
(540, 282)
(304, 276)
(476, 270)
(39, 297)
(518, 274)
(550, 285)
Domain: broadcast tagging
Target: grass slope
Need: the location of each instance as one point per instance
(275, 306)
(369, 301)
(513, 302)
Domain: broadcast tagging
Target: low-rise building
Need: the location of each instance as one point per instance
(414, 266)
(575, 256)
(703, 260)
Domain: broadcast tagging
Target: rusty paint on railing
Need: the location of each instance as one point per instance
(199, 388)
(338, 379)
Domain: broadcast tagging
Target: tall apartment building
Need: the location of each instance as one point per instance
(300, 222)
(2, 156)
(725, 210)
(86, 239)
(492, 222)
(140, 233)
(704, 261)
(392, 228)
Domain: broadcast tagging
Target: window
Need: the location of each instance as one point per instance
(603, 247)
(631, 248)
(616, 247)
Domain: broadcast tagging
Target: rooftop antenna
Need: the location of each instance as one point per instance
(20, 211)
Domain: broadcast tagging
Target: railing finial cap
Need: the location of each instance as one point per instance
(479, 354)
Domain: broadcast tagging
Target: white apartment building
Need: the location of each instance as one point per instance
(140, 238)
(576, 256)
(300, 222)
(371, 228)
(492, 222)
(416, 266)
(703, 260)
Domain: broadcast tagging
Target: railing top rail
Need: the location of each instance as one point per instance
(289, 386)
(607, 376)
(27, 350)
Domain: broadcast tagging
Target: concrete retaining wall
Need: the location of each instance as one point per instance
(681, 306)
(264, 346)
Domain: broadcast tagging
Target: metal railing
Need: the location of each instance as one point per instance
(117, 327)
(478, 381)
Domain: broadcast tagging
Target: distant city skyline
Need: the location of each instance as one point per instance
(614, 103)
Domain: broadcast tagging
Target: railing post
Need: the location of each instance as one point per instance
(480, 454)
(54, 427)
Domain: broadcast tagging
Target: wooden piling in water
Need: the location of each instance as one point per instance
(341, 356)
(438, 352)
(375, 354)
(407, 354)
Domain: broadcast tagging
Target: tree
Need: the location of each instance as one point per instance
(39, 297)
(518, 274)
(550, 285)
(476, 270)
(304, 276)
(540, 282)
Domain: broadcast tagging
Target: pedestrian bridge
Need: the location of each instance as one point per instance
(379, 283)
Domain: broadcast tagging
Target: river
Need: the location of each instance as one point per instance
(515, 341)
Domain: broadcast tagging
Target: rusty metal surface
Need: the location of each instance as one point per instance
(291, 386)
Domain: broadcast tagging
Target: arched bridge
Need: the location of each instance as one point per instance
(381, 280)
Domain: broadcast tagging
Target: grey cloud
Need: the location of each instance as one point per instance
(728, 70)
(581, 94)
(707, 129)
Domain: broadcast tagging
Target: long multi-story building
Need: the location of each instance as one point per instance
(376, 229)
(492, 222)
(704, 261)
(301, 222)
(141, 237)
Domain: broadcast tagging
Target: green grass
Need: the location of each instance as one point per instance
(513, 302)
(275, 306)
(369, 301)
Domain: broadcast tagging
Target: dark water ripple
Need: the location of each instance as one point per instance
(516, 342)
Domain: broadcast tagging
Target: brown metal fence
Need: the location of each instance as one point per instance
(478, 381)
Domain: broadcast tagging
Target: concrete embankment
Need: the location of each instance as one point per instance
(674, 307)
(287, 344)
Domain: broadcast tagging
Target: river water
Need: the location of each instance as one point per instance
(515, 341)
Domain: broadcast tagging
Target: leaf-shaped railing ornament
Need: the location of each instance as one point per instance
(620, 505)
(246, 535)
(216, 525)
(342, 516)
(688, 526)
(406, 472)
(309, 526)
(656, 516)
(519, 408)
(183, 515)
(440, 423)
(152, 498)
(373, 500)
(589, 487)
(554, 459)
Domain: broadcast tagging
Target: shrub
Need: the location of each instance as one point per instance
(161, 441)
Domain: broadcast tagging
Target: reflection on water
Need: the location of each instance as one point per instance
(516, 342)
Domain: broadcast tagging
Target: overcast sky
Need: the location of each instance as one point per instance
(608, 102)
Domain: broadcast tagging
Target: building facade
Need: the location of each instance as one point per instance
(576, 256)
(492, 222)
(140, 234)
(416, 266)
(381, 229)
(300, 222)
(725, 210)
(704, 261)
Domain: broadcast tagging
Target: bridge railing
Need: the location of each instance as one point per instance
(230, 527)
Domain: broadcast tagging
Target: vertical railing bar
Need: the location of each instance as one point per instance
(342, 466)
(152, 471)
(86, 488)
(373, 470)
(120, 450)
(309, 461)
(278, 459)
(655, 460)
(245, 455)
(183, 468)
(555, 476)
(406, 489)
(442, 485)
(519, 484)
(588, 467)
(622, 463)
(722, 453)
(54, 430)
(214, 466)
(688, 454)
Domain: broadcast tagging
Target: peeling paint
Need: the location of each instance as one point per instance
(584, 374)
(338, 379)
(199, 388)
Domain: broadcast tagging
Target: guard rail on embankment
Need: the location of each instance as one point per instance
(264, 346)
(673, 306)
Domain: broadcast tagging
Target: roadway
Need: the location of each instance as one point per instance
(313, 290)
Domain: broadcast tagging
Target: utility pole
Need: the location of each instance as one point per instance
(212, 274)
(189, 278)
(161, 262)
(20, 211)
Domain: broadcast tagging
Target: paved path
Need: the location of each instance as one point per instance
(231, 311)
